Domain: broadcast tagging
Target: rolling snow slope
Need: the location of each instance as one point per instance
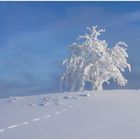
(107, 114)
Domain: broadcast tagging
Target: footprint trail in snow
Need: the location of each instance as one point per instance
(47, 116)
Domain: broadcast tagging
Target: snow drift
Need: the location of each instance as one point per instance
(110, 114)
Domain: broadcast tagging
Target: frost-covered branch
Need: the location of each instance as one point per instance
(93, 61)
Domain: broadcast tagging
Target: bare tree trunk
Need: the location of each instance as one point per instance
(97, 87)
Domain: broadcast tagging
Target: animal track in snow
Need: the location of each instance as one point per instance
(47, 116)
(33, 120)
(57, 112)
(44, 101)
(12, 126)
(1, 130)
(24, 123)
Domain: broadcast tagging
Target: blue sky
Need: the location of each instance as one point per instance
(34, 39)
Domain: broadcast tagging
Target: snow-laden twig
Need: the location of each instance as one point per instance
(92, 61)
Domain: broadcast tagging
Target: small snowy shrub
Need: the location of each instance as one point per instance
(91, 60)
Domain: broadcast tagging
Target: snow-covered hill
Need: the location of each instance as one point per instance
(107, 114)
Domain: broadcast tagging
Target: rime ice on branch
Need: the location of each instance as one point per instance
(93, 61)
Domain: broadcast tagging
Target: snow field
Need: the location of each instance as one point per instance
(53, 100)
(107, 114)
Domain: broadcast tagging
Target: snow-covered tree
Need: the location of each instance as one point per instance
(93, 61)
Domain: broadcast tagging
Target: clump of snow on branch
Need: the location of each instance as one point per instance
(91, 60)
